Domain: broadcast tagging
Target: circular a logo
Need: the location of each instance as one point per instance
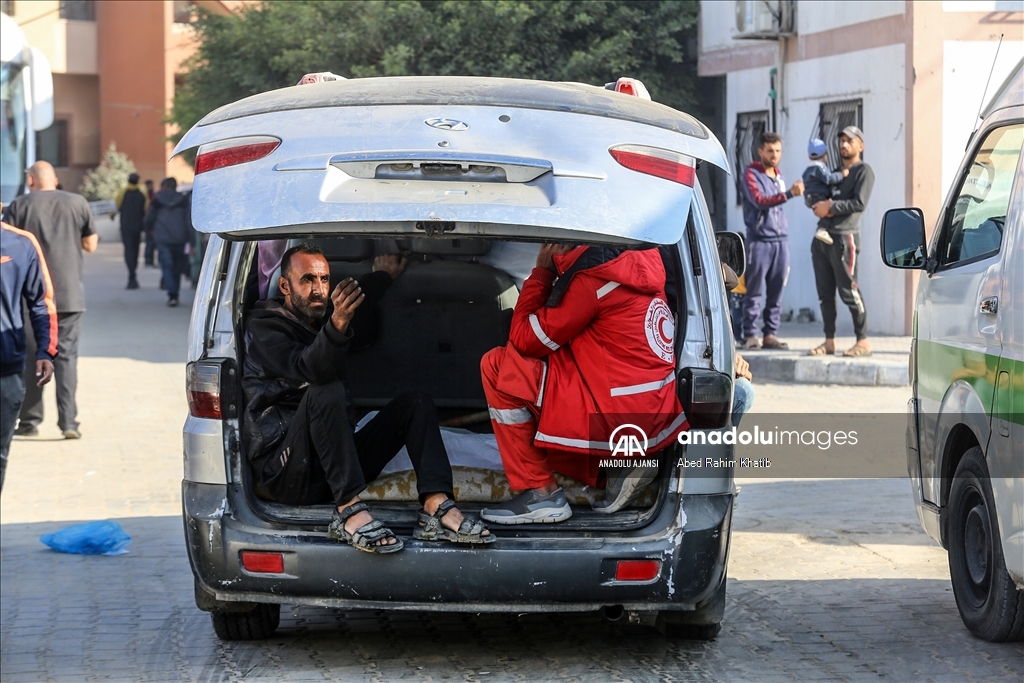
(447, 124)
(628, 441)
(660, 329)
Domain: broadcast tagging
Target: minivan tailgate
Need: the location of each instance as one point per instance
(477, 168)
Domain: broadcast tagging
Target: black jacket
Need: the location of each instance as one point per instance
(284, 356)
(169, 218)
(849, 201)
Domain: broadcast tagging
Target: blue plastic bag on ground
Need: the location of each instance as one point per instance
(91, 538)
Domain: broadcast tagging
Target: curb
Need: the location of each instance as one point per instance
(865, 373)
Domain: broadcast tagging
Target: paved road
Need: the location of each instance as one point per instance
(829, 579)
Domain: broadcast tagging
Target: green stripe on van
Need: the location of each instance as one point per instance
(939, 365)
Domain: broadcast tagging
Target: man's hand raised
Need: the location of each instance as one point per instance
(392, 264)
(546, 256)
(798, 188)
(346, 298)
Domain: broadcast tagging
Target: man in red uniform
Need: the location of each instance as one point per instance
(591, 347)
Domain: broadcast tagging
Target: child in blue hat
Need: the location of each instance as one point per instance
(819, 181)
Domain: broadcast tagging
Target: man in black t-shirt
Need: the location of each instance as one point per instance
(63, 225)
(132, 203)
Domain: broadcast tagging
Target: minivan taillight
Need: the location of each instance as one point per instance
(661, 163)
(706, 396)
(233, 152)
(202, 384)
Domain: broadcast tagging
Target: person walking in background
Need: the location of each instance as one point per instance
(132, 203)
(150, 254)
(168, 217)
(820, 182)
(763, 194)
(62, 224)
(24, 281)
(835, 265)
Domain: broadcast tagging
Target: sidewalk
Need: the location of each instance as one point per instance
(886, 366)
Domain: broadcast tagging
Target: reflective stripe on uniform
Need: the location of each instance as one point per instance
(606, 289)
(543, 381)
(544, 339)
(647, 386)
(510, 416)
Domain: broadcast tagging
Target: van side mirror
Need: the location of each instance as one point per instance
(732, 251)
(903, 241)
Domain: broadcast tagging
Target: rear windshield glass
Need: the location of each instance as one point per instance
(456, 90)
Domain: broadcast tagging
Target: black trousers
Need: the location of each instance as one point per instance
(321, 460)
(835, 268)
(65, 374)
(131, 239)
(150, 253)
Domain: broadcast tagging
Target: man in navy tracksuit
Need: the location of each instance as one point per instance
(23, 277)
(763, 193)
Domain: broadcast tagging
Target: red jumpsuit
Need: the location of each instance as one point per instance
(573, 372)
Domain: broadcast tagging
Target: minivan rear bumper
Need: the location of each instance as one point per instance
(536, 573)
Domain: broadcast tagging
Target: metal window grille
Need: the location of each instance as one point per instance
(78, 10)
(832, 118)
(745, 140)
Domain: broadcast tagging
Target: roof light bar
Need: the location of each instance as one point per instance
(233, 152)
(661, 163)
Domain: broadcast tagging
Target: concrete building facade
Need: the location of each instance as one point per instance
(114, 66)
(911, 74)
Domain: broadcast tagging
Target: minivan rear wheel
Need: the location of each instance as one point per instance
(988, 601)
(256, 624)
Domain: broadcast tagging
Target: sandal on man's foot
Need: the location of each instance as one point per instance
(821, 350)
(367, 537)
(774, 343)
(857, 351)
(430, 527)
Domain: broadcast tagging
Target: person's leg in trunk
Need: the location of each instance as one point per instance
(410, 420)
(514, 419)
(317, 461)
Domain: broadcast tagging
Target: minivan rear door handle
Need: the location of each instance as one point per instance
(990, 305)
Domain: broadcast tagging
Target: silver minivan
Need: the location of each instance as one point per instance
(965, 431)
(466, 176)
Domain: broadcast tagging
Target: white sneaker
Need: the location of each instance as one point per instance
(623, 486)
(822, 234)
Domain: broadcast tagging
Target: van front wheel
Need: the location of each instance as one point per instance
(256, 624)
(990, 605)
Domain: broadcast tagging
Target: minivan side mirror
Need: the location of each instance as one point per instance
(903, 241)
(731, 251)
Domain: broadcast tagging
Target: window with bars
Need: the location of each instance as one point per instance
(745, 140)
(78, 10)
(832, 118)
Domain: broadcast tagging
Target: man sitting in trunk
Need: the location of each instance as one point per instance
(299, 427)
(591, 350)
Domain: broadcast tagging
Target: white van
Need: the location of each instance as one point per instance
(965, 431)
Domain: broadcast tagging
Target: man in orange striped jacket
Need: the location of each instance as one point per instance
(23, 276)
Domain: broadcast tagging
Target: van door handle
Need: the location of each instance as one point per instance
(990, 305)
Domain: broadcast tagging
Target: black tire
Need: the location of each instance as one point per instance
(690, 631)
(704, 623)
(257, 624)
(989, 603)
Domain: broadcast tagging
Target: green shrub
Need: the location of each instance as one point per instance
(107, 179)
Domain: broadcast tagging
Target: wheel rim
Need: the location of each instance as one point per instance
(977, 543)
